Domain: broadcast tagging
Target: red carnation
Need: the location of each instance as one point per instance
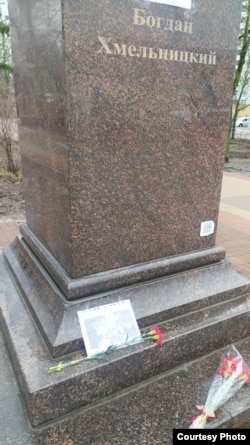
(156, 334)
(237, 367)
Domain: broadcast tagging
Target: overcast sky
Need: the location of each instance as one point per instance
(4, 9)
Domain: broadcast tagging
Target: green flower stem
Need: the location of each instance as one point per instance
(99, 355)
(61, 365)
(145, 336)
(199, 422)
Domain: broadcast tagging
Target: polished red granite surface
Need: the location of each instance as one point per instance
(124, 111)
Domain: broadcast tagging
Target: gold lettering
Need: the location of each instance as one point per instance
(132, 51)
(193, 58)
(203, 58)
(138, 19)
(163, 54)
(141, 18)
(178, 26)
(158, 22)
(120, 50)
(169, 25)
(152, 54)
(173, 55)
(104, 41)
(143, 51)
(150, 21)
(212, 58)
(188, 27)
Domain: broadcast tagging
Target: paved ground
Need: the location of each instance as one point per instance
(234, 220)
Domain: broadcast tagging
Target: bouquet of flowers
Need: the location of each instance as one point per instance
(231, 375)
(154, 334)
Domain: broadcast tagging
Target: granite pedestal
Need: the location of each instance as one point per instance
(123, 109)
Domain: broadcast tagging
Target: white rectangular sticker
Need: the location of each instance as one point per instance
(181, 3)
(207, 228)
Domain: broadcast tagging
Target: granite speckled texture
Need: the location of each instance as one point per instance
(145, 416)
(152, 302)
(204, 326)
(113, 279)
(122, 155)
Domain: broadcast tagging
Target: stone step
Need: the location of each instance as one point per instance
(187, 337)
(148, 411)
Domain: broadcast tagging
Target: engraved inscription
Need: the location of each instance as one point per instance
(142, 18)
(110, 48)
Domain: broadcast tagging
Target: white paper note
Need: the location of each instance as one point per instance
(181, 3)
(107, 325)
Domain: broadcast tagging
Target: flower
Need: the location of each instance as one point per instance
(231, 375)
(154, 333)
(231, 366)
(245, 372)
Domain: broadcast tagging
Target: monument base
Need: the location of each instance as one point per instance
(111, 280)
(199, 311)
